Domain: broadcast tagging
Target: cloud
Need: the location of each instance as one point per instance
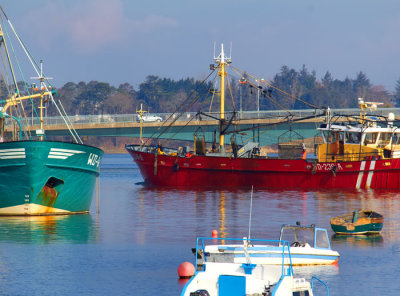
(91, 25)
(95, 24)
(152, 23)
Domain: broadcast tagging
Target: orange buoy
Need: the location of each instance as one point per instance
(214, 233)
(186, 270)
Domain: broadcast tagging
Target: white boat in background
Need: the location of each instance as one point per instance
(309, 245)
(218, 278)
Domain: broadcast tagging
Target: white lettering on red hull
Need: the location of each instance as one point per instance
(328, 166)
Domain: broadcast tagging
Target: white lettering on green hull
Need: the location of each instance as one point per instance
(93, 160)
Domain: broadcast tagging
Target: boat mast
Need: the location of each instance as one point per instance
(141, 112)
(222, 62)
(42, 79)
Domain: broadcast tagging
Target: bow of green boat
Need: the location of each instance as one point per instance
(46, 177)
(38, 176)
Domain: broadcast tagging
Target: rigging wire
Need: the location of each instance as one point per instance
(265, 95)
(212, 97)
(185, 102)
(36, 68)
(288, 119)
(277, 89)
(180, 129)
(231, 95)
(7, 77)
(27, 126)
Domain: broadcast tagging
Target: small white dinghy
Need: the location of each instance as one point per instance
(233, 279)
(309, 245)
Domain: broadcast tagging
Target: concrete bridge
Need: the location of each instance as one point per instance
(183, 128)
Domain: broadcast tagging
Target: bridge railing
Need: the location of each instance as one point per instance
(129, 118)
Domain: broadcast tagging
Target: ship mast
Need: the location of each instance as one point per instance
(42, 79)
(141, 112)
(222, 62)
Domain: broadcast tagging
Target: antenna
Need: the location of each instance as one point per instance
(251, 209)
(41, 77)
(214, 50)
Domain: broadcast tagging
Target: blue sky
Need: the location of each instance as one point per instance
(119, 41)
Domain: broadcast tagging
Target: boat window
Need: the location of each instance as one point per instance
(370, 138)
(300, 235)
(321, 239)
(385, 138)
(332, 137)
(395, 139)
(353, 137)
(325, 135)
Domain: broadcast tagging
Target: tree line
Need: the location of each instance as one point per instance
(159, 95)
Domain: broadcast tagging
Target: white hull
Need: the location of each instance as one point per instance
(271, 255)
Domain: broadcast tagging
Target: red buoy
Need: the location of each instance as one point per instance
(214, 233)
(186, 270)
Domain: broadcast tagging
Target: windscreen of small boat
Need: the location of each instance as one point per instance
(321, 239)
(298, 236)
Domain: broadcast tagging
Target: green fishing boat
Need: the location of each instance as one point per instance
(38, 175)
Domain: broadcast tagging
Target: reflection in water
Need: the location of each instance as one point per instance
(358, 240)
(204, 208)
(396, 248)
(222, 230)
(145, 233)
(321, 270)
(48, 229)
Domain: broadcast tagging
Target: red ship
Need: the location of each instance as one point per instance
(359, 152)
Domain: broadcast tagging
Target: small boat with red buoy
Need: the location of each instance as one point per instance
(248, 278)
(308, 245)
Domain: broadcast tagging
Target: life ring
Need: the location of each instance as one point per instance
(175, 167)
(189, 154)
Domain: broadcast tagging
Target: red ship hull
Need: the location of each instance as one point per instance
(210, 171)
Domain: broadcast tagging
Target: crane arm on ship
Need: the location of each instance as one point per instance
(224, 124)
(16, 100)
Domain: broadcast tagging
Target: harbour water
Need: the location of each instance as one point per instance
(136, 242)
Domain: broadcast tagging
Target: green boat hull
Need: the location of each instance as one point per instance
(46, 177)
(371, 228)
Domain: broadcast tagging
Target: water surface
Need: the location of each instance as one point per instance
(136, 242)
